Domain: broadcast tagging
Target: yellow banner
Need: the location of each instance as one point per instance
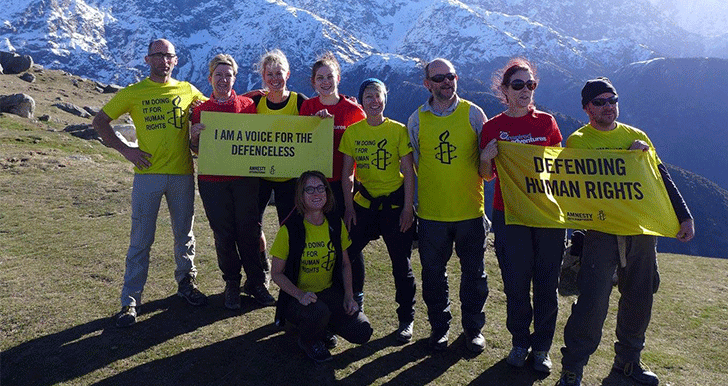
(613, 191)
(264, 145)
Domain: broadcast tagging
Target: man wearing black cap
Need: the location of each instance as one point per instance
(634, 257)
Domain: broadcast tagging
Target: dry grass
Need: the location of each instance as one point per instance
(64, 227)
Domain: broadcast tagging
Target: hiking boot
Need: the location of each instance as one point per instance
(316, 351)
(126, 317)
(404, 332)
(542, 361)
(438, 339)
(187, 289)
(330, 340)
(474, 341)
(637, 373)
(517, 356)
(260, 294)
(569, 378)
(232, 295)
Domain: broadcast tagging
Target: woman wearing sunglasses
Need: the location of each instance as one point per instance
(312, 269)
(526, 255)
(383, 206)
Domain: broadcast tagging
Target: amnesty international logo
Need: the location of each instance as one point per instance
(382, 158)
(601, 215)
(445, 150)
(327, 262)
(177, 113)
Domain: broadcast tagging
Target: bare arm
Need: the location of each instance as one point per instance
(276, 273)
(102, 125)
(406, 218)
(195, 131)
(490, 151)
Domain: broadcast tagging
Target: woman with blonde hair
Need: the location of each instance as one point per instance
(231, 202)
(275, 99)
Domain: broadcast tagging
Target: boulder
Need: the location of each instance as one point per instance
(92, 110)
(18, 104)
(85, 131)
(112, 88)
(28, 77)
(13, 63)
(73, 109)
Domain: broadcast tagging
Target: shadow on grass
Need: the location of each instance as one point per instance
(502, 373)
(72, 353)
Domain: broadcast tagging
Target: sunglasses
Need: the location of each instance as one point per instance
(317, 189)
(599, 102)
(519, 84)
(160, 55)
(440, 77)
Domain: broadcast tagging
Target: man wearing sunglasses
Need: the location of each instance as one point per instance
(159, 107)
(633, 257)
(445, 133)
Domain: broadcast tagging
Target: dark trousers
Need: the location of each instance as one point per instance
(370, 224)
(528, 256)
(328, 313)
(436, 246)
(338, 191)
(232, 211)
(600, 257)
(285, 192)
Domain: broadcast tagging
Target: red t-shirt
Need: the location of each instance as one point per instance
(534, 128)
(345, 113)
(236, 104)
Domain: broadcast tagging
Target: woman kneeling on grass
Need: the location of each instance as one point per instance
(312, 268)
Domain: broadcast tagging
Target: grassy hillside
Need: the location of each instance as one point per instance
(64, 227)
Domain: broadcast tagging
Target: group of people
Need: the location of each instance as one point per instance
(317, 262)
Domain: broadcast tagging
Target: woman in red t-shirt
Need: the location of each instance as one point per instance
(231, 203)
(325, 78)
(525, 255)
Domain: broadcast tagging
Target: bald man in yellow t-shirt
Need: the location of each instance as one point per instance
(159, 107)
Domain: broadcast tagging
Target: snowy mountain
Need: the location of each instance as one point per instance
(569, 40)
(108, 40)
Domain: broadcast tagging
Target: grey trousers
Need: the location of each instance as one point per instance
(600, 257)
(146, 196)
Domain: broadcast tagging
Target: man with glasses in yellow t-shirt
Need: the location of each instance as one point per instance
(159, 107)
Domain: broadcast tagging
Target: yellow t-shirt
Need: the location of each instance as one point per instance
(621, 137)
(319, 255)
(376, 151)
(291, 108)
(160, 112)
(449, 186)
